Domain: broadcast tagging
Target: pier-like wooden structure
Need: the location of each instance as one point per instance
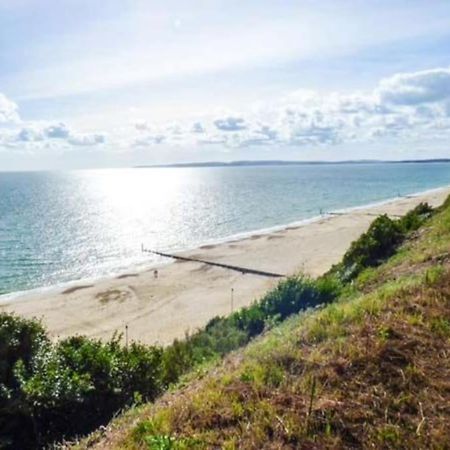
(243, 270)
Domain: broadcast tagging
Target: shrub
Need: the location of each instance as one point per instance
(20, 342)
(415, 218)
(380, 242)
(48, 390)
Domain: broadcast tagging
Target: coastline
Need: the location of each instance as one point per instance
(187, 294)
(143, 267)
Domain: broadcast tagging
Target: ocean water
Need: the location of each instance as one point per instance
(57, 227)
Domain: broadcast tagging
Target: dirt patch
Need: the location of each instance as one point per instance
(112, 295)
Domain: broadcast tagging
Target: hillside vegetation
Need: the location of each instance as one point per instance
(370, 368)
(313, 380)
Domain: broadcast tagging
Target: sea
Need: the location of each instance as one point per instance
(58, 227)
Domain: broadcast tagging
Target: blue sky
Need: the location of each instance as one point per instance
(117, 83)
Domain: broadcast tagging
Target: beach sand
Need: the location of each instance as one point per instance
(187, 294)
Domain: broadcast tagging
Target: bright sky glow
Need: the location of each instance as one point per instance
(86, 83)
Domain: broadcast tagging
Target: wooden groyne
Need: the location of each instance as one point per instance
(243, 270)
(361, 213)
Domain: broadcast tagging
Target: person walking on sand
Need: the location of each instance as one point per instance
(155, 273)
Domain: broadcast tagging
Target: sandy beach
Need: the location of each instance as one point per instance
(187, 294)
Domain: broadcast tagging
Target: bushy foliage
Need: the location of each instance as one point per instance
(48, 390)
(415, 218)
(20, 342)
(380, 241)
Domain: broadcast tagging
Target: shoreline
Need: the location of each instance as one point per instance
(19, 295)
(186, 295)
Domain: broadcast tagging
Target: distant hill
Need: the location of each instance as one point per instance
(250, 163)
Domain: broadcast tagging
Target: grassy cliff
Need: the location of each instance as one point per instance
(369, 368)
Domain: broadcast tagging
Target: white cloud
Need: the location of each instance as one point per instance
(404, 106)
(57, 131)
(149, 140)
(416, 88)
(230, 124)
(197, 127)
(87, 139)
(17, 133)
(142, 126)
(30, 134)
(35, 136)
(8, 111)
(407, 107)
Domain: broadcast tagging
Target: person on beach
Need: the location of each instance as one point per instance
(155, 273)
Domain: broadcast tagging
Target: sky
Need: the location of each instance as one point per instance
(118, 83)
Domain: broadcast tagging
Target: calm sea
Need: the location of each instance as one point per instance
(62, 226)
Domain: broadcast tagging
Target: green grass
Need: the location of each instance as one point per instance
(292, 388)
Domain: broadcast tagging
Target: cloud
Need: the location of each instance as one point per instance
(15, 132)
(35, 136)
(230, 124)
(8, 111)
(142, 126)
(407, 106)
(57, 131)
(87, 139)
(260, 134)
(30, 134)
(416, 88)
(149, 140)
(197, 127)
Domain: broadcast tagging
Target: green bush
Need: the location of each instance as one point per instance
(20, 342)
(415, 218)
(377, 244)
(380, 242)
(48, 390)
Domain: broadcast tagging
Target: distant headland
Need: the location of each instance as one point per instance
(247, 163)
